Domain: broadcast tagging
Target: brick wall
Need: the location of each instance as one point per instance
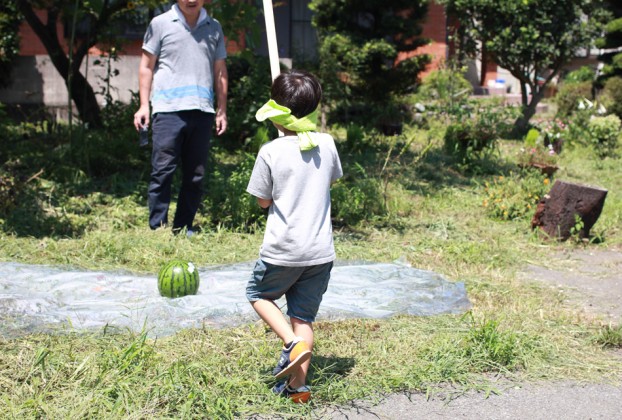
(435, 29)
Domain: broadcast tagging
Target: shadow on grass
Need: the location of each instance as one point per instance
(323, 370)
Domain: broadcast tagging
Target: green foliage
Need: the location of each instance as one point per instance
(569, 95)
(492, 347)
(445, 89)
(611, 41)
(238, 20)
(514, 196)
(609, 336)
(359, 46)
(227, 203)
(474, 133)
(10, 19)
(611, 95)
(532, 137)
(541, 146)
(357, 197)
(604, 133)
(580, 75)
(529, 38)
(249, 89)
(10, 186)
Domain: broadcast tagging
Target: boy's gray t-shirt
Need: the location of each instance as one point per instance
(183, 77)
(299, 231)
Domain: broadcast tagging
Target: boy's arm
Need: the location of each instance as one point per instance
(264, 203)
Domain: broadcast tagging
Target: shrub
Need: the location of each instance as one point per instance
(9, 187)
(357, 197)
(446, 89)
(611, 95)
(516, 195)
(227, 201)
(471, 139)
(580, 75)
(249, 89)
(604, 133)
(569, 95)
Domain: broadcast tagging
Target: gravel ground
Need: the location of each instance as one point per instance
(592, 282)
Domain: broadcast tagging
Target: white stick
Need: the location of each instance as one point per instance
(273, 50)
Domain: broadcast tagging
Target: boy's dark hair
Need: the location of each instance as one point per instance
(297, 90)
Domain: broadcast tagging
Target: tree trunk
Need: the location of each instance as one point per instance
(484, 67)
(81, 91)
(521, 124)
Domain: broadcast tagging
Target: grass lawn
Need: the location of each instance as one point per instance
(436, 217)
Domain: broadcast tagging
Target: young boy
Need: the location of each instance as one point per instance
(292, 178)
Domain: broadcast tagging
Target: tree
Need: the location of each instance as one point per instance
(87, 23)
(532, 39)
(101, 22)
(612, 42)
(359, 45)
(9, 40)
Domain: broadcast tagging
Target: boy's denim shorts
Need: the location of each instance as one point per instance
(303, 287)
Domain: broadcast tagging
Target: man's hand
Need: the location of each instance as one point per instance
(221, 79)
(141, 118)
(221, 122)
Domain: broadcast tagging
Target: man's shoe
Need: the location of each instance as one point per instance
(292, 357)
(299, 395)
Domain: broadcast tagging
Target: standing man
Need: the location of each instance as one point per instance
(183, 62)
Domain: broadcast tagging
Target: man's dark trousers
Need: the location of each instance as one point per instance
(181, 137)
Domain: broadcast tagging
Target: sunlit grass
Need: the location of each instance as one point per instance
(517, 329)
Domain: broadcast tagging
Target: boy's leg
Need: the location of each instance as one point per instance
(272, 315)
(302, 329)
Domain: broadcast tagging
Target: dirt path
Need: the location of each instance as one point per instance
(591, 280)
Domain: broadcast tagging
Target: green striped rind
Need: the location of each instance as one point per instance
(178, 278)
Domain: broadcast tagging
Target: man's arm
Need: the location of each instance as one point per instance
(145, 78)
(221, 81)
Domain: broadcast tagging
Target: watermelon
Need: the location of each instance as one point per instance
(178, 278)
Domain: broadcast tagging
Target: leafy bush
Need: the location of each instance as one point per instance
(359, 47)
(249, 89)
(9, 187)
(569, 95)
(227, 202)
(445, 89)
(514, 196)
(10, 19)
(536, 150)
(611, 95)
(471, 139)
(357, 197)
(580, 75)
(604, 133)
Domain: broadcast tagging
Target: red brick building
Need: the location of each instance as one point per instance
(37, 82)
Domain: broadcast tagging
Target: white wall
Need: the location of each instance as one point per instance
(35, 81)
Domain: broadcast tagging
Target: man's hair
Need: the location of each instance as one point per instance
(297, 90)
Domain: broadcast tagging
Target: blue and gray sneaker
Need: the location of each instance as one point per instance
(292, 357)
(299, 395)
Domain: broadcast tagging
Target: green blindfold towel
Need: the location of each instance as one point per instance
(281, 115)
